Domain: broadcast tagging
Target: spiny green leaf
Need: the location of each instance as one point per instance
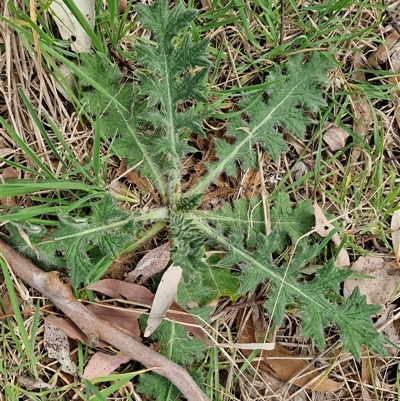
(220, 282)
(121, 124)
(40, 252)
(175, 72)
(291, 222)
(187, 246)
(239, 218)
(188, 203)
(287, 285)
(157, 388)
(356, 326)
(171, 71)
(176, 344)
(76, 242)
(163, 22)
(290, 91)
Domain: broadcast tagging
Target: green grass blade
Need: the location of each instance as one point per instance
(29, 152)
(28, 350)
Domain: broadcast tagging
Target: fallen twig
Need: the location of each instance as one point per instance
(95, 328)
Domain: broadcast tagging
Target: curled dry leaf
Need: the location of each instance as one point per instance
(73, 331)
(395, 227)
(298, 145)
(143, 184)
(57, 345)
(6, 308)
(101, 364)
(363, 115)
(124, 319)
(69, 27)
(281, 363)
(323, 227)
(164, 297)
(9, 173)
(117, 289)
(366, 362)
(300, 169)
(152, 263)
(335, 137)
(383, 52)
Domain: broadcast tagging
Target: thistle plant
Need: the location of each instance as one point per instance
(151, 123)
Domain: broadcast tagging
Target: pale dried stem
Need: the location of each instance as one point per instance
(95, 328)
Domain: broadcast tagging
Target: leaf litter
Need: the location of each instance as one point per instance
(279, 361)
(57, 345)
(165, 295)
(152, 263)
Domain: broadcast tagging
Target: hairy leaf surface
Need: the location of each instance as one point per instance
(288, 287)
(77, 243)
(290, 91)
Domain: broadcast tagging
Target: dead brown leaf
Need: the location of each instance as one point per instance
(251, 183)
(143, 184)
(101, 364)
(6, 308)
(335, 137)
(283, 364)
(122, 5)
(152, 263)
(382, 54)
(365, 369)
(144, 297)
(362, 113)
(72, 331)
(57, 346)
(219, 196)
(116, 270)
(6, 151)
(125, 319)
(118, 289)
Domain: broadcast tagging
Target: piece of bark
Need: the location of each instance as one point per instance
(95, 328)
